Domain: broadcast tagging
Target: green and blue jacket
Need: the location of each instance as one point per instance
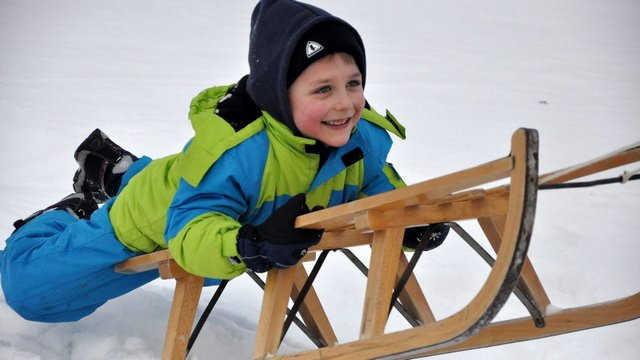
(194, 202)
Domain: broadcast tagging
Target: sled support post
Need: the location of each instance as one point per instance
(277, 290)
(185, 298)
(385, 256)
(183, 309)
(529, 280)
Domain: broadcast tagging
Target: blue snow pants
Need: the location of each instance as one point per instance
(57, 268)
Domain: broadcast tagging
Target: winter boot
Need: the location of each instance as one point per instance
(79, 205)
(102, 164)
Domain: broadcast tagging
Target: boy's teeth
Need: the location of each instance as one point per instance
(337, 122)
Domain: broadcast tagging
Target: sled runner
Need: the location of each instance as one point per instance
(505, 214)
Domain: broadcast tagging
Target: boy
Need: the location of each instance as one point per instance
(294, 134)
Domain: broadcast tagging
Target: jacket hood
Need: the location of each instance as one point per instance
(276, 29)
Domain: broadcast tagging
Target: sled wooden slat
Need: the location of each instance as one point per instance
(339, 216)
(491, 205)
(473, 194)
(625, 156)
(341, 239)
(154, 260)
(142, 263)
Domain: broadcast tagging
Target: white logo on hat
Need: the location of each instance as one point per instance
(313, 48)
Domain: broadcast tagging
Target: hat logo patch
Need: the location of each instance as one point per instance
(313, 48)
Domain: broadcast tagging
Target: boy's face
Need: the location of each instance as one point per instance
(327, 99)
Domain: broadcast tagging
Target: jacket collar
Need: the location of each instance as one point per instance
(338, 159)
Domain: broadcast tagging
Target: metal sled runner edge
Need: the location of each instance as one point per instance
(505, 214)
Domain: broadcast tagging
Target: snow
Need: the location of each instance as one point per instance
(552, 310)
(460, 75)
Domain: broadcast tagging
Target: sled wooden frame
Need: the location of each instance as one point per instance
(505, 213)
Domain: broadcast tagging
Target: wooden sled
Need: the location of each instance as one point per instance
(505, 214)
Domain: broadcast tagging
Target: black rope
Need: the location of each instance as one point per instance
(581, 184)
(303, 293)
(205, 315)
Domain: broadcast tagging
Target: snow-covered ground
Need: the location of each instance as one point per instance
(461, 75)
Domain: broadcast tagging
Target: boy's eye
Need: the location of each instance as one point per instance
(322, 90)
(353, 83)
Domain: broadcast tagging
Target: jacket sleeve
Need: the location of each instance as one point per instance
(203, 221)
(385, 179)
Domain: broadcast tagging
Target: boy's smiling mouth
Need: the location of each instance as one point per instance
(337, 123)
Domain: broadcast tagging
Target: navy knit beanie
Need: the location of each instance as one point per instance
(323, 39)
(286, 37)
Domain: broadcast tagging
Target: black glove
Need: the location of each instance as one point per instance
(436, 234)
(276, 243)
(237, 107)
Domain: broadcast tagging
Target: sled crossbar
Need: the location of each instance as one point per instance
(505, 214)
(626, 155)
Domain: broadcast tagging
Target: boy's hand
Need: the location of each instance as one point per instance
(436, 234)
(276, 243)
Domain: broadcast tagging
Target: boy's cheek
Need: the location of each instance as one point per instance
(310, 116)
(359, 104)
(359, 107)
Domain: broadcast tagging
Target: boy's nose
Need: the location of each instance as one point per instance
(342, 102)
